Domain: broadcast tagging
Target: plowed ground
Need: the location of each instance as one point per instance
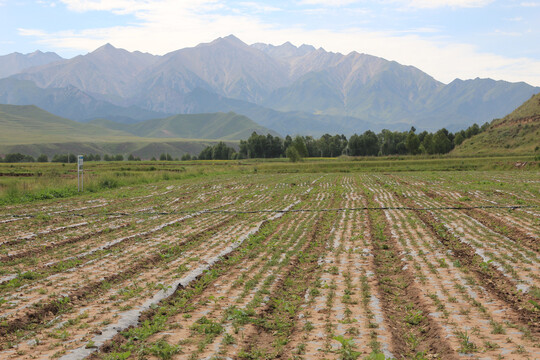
(289, 266)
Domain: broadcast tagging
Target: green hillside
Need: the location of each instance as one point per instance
(33, 131)
(30, 124)
(226, 126)
(516, 133)
(144, 148)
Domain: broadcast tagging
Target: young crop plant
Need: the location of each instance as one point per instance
(347, 350)
(414, 317)
(467, 346)
(163, 350)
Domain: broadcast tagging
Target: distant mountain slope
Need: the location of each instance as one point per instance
(33, 131)
(230, 68)
(107, 70)
(144, 148)
(69, 102)
(338, 93)
(227, 126)
(469, 101)
(15, 63)
(287, 51)
(30, 124)
(518, 132)
(291, 122)
(360, 86)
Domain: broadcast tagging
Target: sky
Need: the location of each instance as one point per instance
(447, 39)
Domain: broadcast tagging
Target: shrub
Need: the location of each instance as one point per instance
(42, 158)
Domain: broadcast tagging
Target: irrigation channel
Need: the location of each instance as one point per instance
(290, 266)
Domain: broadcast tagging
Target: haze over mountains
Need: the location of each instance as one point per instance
(14, 63)
(285, 88)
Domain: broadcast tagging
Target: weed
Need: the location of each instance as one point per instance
(467, 346)
(163, 350)
(207, 326)
(498, 328)
(414, 317)
(346, 351)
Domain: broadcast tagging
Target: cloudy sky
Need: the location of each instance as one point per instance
(448, 39)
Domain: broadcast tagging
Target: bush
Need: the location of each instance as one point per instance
(17, 158)
(108, 183)
(292, 154)
(42, 158)
(64, 158)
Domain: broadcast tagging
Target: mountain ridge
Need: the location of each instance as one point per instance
(288, 79)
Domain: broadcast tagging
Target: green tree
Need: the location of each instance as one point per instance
(220, 151)
(206, 153)
(426, 147)
(441, 142)
(292, 154)
(370, 143)
(355, 146)
(413, 142)
(42, 158)
(300, 146)
(458, 139)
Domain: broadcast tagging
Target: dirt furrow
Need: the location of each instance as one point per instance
(492, 279)
(412, 330)
(472, 320)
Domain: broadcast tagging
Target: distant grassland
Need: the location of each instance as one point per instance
(143, 148)
(29, 182)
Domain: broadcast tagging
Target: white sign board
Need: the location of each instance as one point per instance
(80, 173)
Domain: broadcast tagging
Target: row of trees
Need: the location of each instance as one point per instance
(64, 158)
(72, 158)
(268, 146)
(367, 144)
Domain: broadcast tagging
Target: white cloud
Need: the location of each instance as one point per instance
(530, 4)
(432, 4)
(168, 25)
(508, 33)
(258, 7)
(329, 3)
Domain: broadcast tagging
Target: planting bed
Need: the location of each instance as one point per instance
(290, 266)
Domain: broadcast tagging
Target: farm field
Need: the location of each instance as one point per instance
(247, 265)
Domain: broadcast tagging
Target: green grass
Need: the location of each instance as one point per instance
(227, 126)
(32, 125)
(33, 131)
(517, 133)
(27, 182)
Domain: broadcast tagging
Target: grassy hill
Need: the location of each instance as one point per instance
(516, 133)
(33, 131)
(226, 126)
(143, 148)
(29, 124)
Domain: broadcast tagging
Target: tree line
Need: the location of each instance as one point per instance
(268, 146)
(369, 143)
(64, 158)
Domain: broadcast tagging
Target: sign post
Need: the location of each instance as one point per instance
(80, 174)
